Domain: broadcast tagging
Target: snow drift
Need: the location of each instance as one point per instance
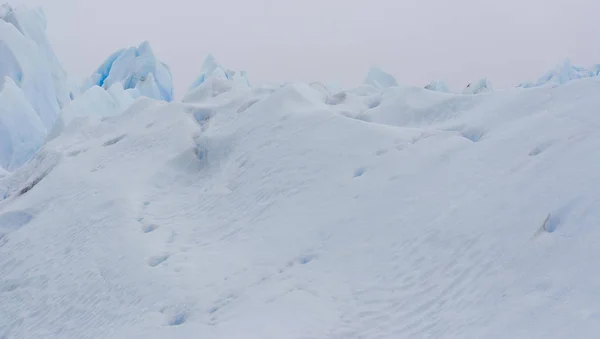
(204, 219)
(291, 211)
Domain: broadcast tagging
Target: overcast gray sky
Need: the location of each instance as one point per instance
(457, 41)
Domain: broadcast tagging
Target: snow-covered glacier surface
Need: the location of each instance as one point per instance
(33, 84)
(214, 80)
(481, 86)
(438, 86)
(564, 73)
(291, 212)
(139, 72)
(379, 79)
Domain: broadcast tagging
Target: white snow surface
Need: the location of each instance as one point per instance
(288, 212)
(139, 72)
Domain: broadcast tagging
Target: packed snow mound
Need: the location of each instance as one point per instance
(481, 86)
(437, 86)
(95, 103)
(27, 58)
(564, 73)
(139, 72)
(215, 80)
(204, 219)
(380, 79)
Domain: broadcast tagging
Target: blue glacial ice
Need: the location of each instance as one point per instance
(380, 79)
(139, 72)
(563, 73)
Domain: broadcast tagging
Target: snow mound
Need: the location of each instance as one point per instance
(215, 80)
(93, 103)
(481, 86)
(139, 72)
(437, 86)
(379, 79)
(562, 74)
(204, 219)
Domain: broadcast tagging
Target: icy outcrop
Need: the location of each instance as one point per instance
(139, 72)
(27, 58)
(212, 69)
(95, 102)
(22, 132)
(214, 80)
(480, 86)
(563, 73)
(438, 86)
(33, 84)
(380, 79)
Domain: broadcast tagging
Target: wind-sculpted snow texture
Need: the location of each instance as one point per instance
(139, 72)
(33, 85)
(292, 212)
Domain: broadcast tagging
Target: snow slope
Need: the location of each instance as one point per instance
(273, 212)
(139, 72)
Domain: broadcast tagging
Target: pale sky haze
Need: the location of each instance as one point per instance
(417, 41)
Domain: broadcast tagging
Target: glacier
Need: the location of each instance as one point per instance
(379, 79)
(481, 86)
(214, 80)
(291, 210)
(438, 86)
(22, 131)
(562, 74)
(397, 214)
(33, 84)
(139, 72)
(95, 103)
